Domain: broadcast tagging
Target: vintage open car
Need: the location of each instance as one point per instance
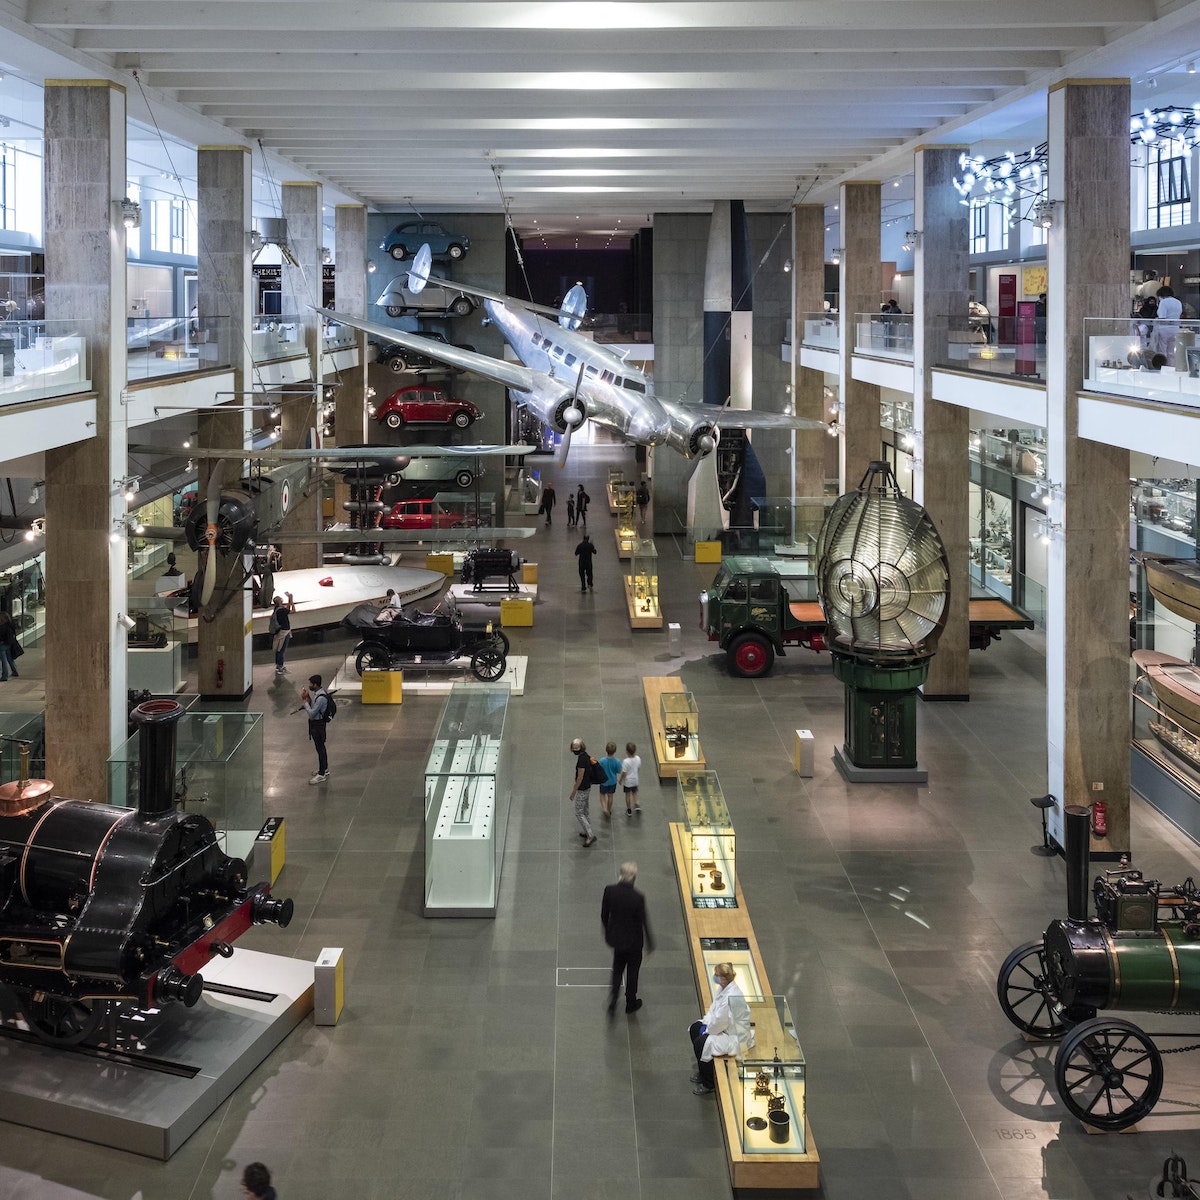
(439, 638)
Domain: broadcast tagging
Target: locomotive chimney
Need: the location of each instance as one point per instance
(156, 720)
(1077, 835)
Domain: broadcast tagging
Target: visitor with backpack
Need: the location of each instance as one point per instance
(321, 709)
(587, 772)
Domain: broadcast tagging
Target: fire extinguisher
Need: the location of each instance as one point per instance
(1100, 818)
(220, 672)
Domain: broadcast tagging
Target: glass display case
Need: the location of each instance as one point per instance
(641, 585)
(680, 717)
(1167, 508)
(736, 952)
(708, 839)
(627, 515)
(616, 479)
(467, 789)
(218, 774)
(154, 655)
(19, 729)
(768, 1085)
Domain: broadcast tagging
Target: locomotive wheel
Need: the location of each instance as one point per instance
(61, 1022)
(751, 655)
(1109, 1073)
(1023, 989)
(374, 658)
(488, 663)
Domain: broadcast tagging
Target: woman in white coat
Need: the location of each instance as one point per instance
(724, 1029)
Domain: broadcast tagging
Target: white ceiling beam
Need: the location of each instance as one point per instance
(319, 17)
(614, 42)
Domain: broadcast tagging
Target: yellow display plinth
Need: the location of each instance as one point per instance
(440, 562)
(383, 687)
(708, 552)
(529, 572)
(517, 611)
(272, 836)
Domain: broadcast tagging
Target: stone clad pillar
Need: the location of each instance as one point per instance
(862, 441)
(301, 408)
(808, 385)
(1087, 602)
(350, 297)
(223, 201)
(86, 545)
(941, 478)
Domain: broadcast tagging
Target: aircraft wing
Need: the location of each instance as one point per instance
(381, 455)
(510, 374)
(457, 285)
(750, 418)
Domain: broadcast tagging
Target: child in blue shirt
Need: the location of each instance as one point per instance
(612, 769)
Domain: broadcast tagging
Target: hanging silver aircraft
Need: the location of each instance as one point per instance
(565, 378)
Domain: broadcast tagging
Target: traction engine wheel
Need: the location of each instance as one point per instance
(1109, 1073)
(751, 655)
(1023, 989)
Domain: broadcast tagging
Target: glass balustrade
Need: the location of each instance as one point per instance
(277, 337)
(1013, 348)
(884, 335)
(40, 359)
(1147, 359)
(157, 346)
(821, 331)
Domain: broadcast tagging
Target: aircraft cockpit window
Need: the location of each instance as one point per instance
(635, 385)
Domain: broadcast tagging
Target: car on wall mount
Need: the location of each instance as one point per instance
(397, 300)
(425, 406)
(408, 237)
(399, 359)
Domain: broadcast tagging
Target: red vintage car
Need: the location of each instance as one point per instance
(419, 514)
(425, 405)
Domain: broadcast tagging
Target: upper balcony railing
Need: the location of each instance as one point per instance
(1148, 359)
(884, 335)
(821, 331)
(1007, 347)
(277, 337)
(157, 346)
(40, 359)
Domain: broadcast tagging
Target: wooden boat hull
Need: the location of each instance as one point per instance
(1176, 686)
(1175, 584)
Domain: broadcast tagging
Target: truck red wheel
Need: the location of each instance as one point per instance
(751, 655)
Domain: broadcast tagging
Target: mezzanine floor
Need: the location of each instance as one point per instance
(460, 1071)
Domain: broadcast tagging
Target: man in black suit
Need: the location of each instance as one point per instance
(623, 915)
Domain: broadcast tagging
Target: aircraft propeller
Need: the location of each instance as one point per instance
(213, 512)
(572, 418)
(418, 273)
(574, 307)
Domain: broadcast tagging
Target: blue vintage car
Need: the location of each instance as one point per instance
(406, 239)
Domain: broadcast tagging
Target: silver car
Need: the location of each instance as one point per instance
(397, 300)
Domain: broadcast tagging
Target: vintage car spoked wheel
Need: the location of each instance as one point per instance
(751, 655)
(61, 1022)
(488, 663)
(498, 635)
(373, 658)
(398, 252)
(1109, 1073)
(1024, 993)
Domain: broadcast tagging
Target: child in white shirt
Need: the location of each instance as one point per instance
(629, 779)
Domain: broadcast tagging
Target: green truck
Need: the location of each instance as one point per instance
(755, 607)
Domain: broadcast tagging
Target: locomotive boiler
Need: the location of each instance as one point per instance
(1140, 952)
(105, 909)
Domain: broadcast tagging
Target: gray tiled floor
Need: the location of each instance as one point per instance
(461, 1071)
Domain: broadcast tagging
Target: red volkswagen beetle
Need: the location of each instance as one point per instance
(425, 405)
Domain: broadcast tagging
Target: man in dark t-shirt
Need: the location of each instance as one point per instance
(281, 618)
(581, 790)
(584, 552)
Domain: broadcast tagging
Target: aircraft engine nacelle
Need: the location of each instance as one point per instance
(554, 405)
(689, 435)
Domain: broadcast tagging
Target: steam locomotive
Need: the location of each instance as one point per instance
(104, 909)
(1140, 952)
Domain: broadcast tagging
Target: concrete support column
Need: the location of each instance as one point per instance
(350, 297)
(808, 385)
(1087, 613)
(301, 412)
(941, 475)
(223, 201)
(862, 441)
(86, 545)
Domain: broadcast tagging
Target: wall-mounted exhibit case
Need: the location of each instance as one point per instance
(467, 790)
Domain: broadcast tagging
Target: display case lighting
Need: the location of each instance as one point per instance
(130, 212)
